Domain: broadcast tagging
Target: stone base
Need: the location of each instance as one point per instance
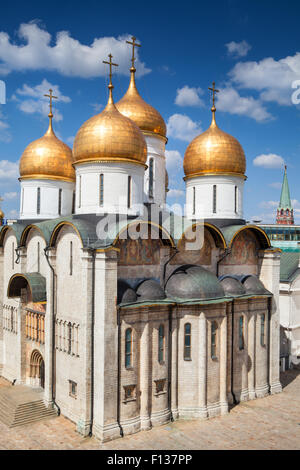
(252, 395)
(106, 433)
(262, 391)
(276, 387)
(133, 425)
(83, 427)
(161, 417)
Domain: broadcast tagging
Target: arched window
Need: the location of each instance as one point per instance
(59, 201)
(101, 191)
(262, 329)
(161, 344)
(235, 199)
(129, 193)
(194, 200)
(187, 342)
(214, 328)
(241, 333)
(38, 201)
(151, 178)
(214, 199)
(128, 348)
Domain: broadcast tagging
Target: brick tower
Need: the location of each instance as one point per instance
(285, 213)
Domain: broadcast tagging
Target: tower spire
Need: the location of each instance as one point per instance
(50, 115)
(110, 86)
(285, 213)
(213, 109)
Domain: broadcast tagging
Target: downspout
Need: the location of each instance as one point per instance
(269, 338)
(53, 328)
(226, 253)
(165, 266)
(93, 252)
(170, 365)
(119, 372)
(232, 351)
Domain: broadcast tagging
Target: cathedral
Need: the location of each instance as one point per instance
(125, 314)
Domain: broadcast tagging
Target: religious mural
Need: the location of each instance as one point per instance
(244, 250)
(200, 256)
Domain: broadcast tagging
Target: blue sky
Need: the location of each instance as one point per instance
(250, 49)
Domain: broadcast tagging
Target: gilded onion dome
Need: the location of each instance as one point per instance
(110, 136)
(214, 152)
(47, 158)
(145, 116)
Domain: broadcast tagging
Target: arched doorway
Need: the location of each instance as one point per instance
(37, 369)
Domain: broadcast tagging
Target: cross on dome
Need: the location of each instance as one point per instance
(134, 44)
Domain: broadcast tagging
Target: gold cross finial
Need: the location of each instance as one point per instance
(214, 91)
(51, 97)
(110, 63)
(133, 44)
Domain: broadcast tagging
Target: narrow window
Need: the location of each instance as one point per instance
(73, 203)
(161, 344)
(214, 199)
(22, 208)
(194, 200)
(59, 201)
(129, 193)
(262, 330)
(101, 189)
(151, 178)
(79, 196)
(72, 389)
(69, 338)
(241, 333)
(71, 258)
(214, 327)
(235, 199)
(38, 202)
(128, 348)
(187, 342)
(38, 257)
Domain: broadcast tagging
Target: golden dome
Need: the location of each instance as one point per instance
(109, 136)
(47, 158)
(1, 214)
(145, 116)
(214, 152)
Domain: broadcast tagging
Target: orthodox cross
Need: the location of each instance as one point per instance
(133, 44)
(214, 91)
(110, 63)
(51, 97)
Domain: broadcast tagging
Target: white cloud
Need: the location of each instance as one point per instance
(11, 195)
(175, 193)
(35, 101)
(70, 140)
(268, 204)
(187, 96)
(238, 49)
(13, 214)
(9, 170)
(66, 56)
(174, 160)
(270, 160)
(5, 135)
(275, 185)
(231, 101)
(182, 127)
(272, 78)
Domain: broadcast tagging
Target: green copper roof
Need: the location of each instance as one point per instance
(36, 282)
(285, 199)
(289, 266)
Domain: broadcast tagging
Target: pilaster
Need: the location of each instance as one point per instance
(202, 400)
(223, 367)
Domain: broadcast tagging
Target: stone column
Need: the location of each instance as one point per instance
(245, 393)
(84, 423)
(21, 376)
(252, 355)
(269, 275)
(202, 366)
(1, 305)
(223, 367)
(174, 384)
(105, 425)
(144, 377)
(49, 343)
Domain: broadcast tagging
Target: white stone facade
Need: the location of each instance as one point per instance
(46, 199)
(214, 197)
(155, 192)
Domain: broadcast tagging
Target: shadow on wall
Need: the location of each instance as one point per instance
(289, 376)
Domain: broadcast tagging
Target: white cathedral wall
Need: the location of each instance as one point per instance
(225, 197)
(115, 194)
(70, 300)
(10, 349)
(35, 257)
(156, 150)
(49, 198)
